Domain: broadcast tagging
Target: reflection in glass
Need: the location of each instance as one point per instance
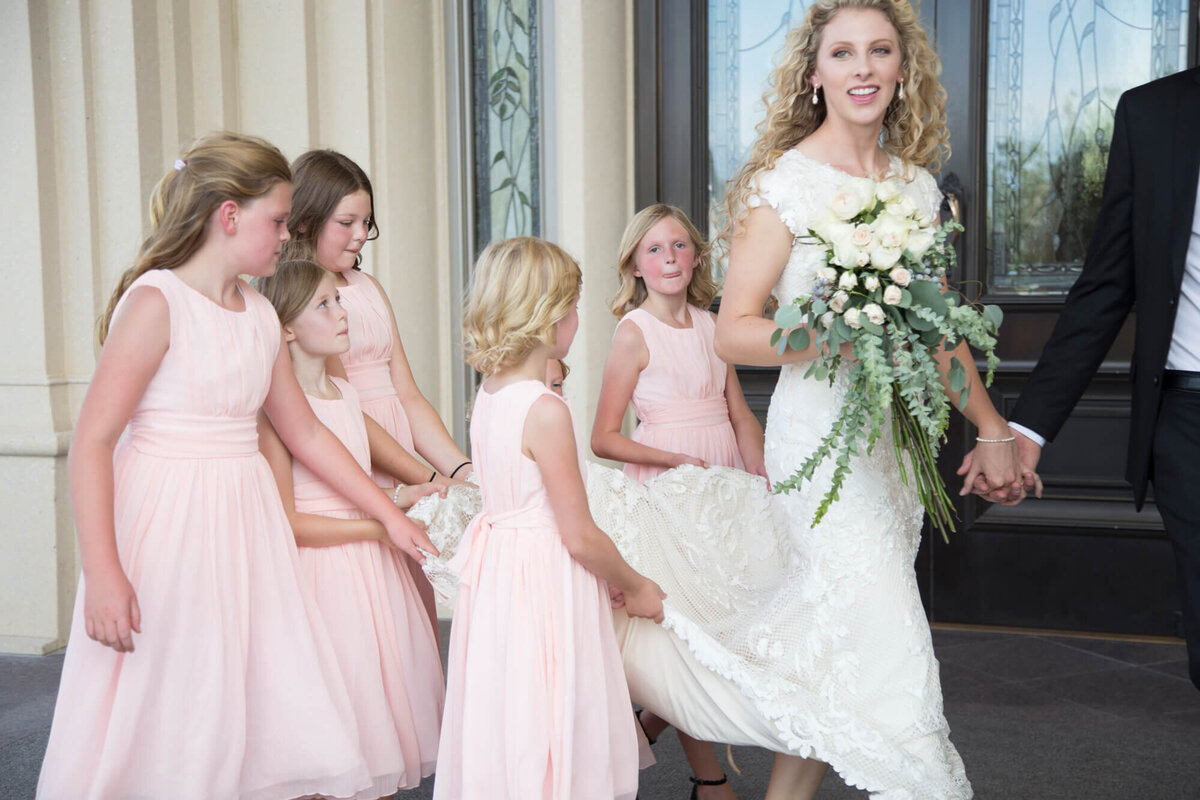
(744, 39)
(505, 99)
(1055, 72)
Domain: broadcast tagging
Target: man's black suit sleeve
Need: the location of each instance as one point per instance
(1097, 304)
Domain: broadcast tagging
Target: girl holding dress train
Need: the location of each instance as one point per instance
(689, 405)
(198, 664)
(333, 217)
(371, 607)
(536, 702)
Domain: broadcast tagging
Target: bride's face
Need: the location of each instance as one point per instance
(858, 66)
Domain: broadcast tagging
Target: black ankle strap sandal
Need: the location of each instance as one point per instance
(697, 783)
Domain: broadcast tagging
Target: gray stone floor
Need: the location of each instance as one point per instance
(1034, 717)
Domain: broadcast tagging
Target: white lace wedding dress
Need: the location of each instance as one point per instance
(801, 639)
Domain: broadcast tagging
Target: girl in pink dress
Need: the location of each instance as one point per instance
(198, 664)
(375, 617)
(689, 405)
(333, 216)
(536, 702)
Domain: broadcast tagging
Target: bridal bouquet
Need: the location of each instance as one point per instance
(882, 289)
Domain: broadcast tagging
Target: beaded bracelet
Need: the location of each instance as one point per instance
(996, 441)
(456, 469)
(396, 493)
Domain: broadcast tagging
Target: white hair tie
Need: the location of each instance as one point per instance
(179, 164)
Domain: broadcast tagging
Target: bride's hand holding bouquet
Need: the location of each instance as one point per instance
(881, 297)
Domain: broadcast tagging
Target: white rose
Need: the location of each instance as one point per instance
(844, 252)
(919, 242)
(892, 231)
(852, 317)
(828, 227)
(827, 319)
(827, 274)
(874, 313)
(839, 302)
(893, 295)
(862, 237)
(900, 276)
(853, 198)
(871, 283)
(888, 190)
(902, 206)
(848, 281)
(864, 258)
(885, 257)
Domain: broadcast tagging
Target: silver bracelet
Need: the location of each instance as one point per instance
(996, 441)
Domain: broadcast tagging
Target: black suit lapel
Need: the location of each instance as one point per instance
(1185, 157)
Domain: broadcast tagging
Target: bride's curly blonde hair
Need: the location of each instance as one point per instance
(914, 129)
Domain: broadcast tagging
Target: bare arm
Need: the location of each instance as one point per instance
(310, 530)
(430, 437)
(549, 439)
(318, 449)
(759, 252)
(746, 428)
(627, 358)
(137, 341)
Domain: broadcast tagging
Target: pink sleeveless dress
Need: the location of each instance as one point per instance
(386, 651)
(233, 690)
(368, 361)
(679, 398)
(536, 705)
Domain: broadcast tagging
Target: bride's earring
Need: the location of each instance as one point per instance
(901, 90)
(816, 90)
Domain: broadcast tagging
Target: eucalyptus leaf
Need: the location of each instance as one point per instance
(917, 323)
(788, 316)
(957, 376)
(994, 316)
(871, 327)
(799, 339)
(928, 294)
(775, 336)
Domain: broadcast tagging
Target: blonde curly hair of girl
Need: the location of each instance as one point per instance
(914, 129)
(632, 292)
(520, 288)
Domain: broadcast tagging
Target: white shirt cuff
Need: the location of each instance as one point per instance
(1036, 437)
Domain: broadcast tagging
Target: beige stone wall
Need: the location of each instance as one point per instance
(100, 95)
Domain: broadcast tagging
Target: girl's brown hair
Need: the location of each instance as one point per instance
(216, 168)
(291, 287)
(632, 292)
(321, 178)
(914, 129)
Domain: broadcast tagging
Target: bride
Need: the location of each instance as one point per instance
(845, 636)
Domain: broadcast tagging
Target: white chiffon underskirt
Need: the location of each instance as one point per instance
(753, 649)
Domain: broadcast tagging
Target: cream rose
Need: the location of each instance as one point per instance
(919, 242)
(902, 206)
(888, 190)
(874, 313)
(829, 227)
(862, 237)
(885, 257)
(853, 317)
(871, 283)
(839, 302)
(827, 319)
(853, 198)
(892, 231)
(848, 281)
(827, 274)
(900, 276)
(893, 295)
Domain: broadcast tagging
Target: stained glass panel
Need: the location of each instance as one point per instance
(1055, 72)
(744, 39)
(505, 98)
